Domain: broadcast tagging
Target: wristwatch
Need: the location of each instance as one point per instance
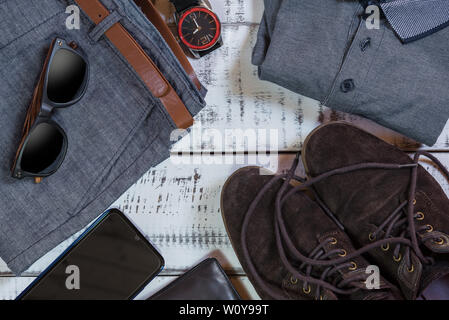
(198, 26)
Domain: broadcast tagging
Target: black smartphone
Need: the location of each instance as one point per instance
(111, 260)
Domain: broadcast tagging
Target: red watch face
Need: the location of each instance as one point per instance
(199, 28)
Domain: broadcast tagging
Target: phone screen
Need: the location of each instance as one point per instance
(112, 260)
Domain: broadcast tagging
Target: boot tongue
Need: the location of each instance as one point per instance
(409, 277)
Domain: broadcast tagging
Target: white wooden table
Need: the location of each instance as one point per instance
(177, 205)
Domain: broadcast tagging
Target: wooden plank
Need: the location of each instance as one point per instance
(237, 99)
(11, 287)
(177, 206)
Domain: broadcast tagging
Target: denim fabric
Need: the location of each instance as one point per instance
(115, 133)
(323, 49)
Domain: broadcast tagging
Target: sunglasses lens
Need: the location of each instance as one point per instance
(66, 76)
(42, 149)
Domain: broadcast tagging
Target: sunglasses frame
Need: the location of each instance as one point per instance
(46, 111)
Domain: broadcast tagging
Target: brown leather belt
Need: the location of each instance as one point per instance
(153, 15)
(141, 62)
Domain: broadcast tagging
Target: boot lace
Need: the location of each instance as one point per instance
(338, 259)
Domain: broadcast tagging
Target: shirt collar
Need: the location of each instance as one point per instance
(415, 19)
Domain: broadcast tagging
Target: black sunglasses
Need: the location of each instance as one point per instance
(62, 83)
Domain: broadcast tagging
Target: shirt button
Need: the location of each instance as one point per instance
(365, 43)
(347, 85)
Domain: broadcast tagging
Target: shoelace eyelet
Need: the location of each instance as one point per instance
(309, 289)
(411, 269)
(419, 216)
(372, 237)
(343, 253)
(439, 241)
(429, 228)
(385, 247)
(353, 266)
(333, 241)
(293, 280)
(398, 258)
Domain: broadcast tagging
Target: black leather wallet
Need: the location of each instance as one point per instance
(206, 281)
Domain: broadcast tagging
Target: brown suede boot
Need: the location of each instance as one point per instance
(384, 199)
(299, 253)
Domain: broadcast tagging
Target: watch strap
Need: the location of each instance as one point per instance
(155, 18)
(140, 62)
(182, 5)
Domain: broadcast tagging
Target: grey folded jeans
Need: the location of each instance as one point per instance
(323, 49)
(115, 133)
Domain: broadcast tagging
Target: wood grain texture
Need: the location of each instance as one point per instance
(178, 208)
(177, 205)
(11, 287)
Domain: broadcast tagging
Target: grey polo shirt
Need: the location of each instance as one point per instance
(323, 49)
